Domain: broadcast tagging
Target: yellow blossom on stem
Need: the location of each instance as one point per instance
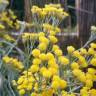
(36, 52)
(70, 49)
(63, 60)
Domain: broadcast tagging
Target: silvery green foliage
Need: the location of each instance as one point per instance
(7, 74)
(92, 37)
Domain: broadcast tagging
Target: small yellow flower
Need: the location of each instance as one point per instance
(55, 85)
(58, 52)
(43, 57)
(75, 65)
(36, 52)
(70, 49)
(13, 62)
(63, 60)
(82, 77)
(34, 68)
(83, 51)
(91, 71)
(29, 87)
(51, 61)
(42, 47)
(76, 53)
(20, 80)
(84, 65)
(93, 45)
(93, 61)
(8, 38)
(84, 91)
(63, 84)
(36, 61)
(89, 83)
(53, 39)
(49, 56)
(89, 76)
(41, 34)
(6, 59)
(92, 92)
(19, 87)
(22, 92)
(43, 69)
(91, 51)
(43, 39)
(77, 72)
(34, 94)
(64, 93)
(52, 33)
(47, 74)
(54, 71)
(56, 78)
(82, 59)
(55, 47)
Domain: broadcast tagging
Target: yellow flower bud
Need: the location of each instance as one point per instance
(20, 80)
(49, 56)
(53, 39)
(55, 47)
(43, 57)
(76, 53)
(22, 92)
(34, 68)
(83, 51)
(63, 60)
(75, 65)
(91, 51)
(70, 49)
(36, 52)
(55, 85)
(89, 83)
(58, 52)
(93, 45)
(47, 74)
(93, 61)
(63, 84)
(42, 46)
(36, 61)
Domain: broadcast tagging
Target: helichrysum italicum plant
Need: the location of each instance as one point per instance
(41, 69)
(8, 21)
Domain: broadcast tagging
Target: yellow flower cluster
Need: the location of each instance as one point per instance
(43, 73)
(8, 18)
(13, 62)
(53, 30)
(87, 77)
(49, 10)
(86, 92)
(50, 72)
(8, 38)
(29, 36)
(44, 69)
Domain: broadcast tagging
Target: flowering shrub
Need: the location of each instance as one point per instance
(40, 68)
